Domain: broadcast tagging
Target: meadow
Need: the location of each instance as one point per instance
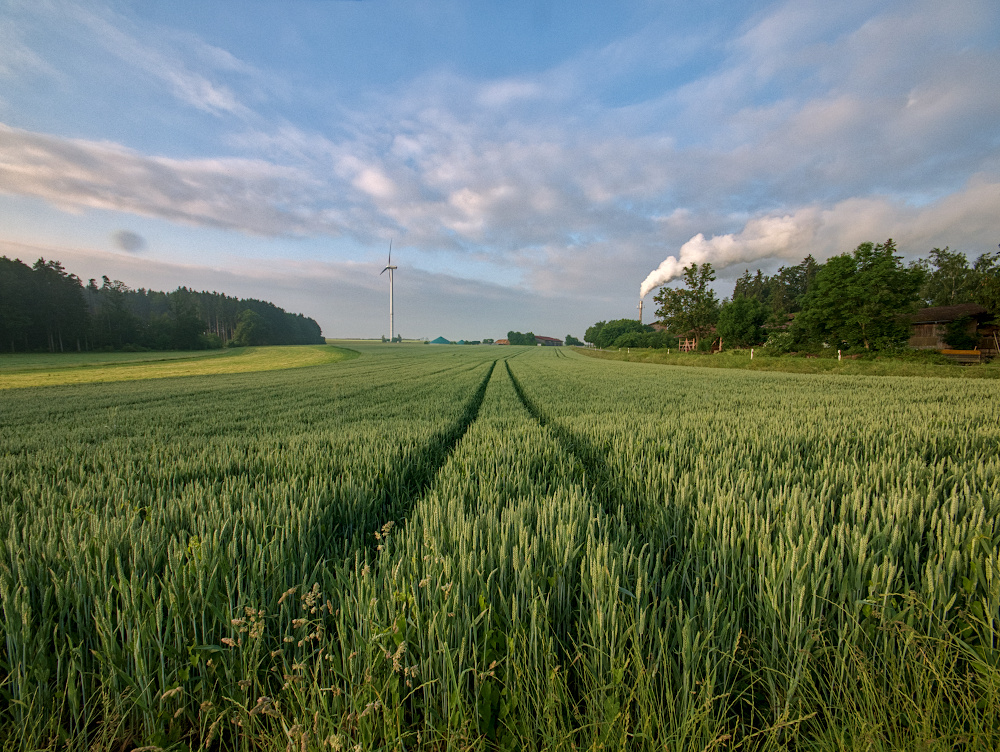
(29, 370)
(500, 548)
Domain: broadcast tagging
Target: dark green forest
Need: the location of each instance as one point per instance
(44, 308)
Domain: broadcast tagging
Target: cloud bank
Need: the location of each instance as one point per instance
(823, 232)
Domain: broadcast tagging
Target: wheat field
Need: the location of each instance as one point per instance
(500, 548)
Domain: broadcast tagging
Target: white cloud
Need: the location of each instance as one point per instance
(969, 214)
(248, 195)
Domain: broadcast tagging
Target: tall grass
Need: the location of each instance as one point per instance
(426, 550)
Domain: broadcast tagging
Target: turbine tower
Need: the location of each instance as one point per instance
(640, 310)
(390, 268)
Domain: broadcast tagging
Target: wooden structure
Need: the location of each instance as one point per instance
(928, 328)
(687, 345)
(548, 341)
(964, 356)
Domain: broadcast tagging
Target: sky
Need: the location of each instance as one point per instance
(532, 163)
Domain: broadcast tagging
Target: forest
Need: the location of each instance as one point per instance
(44, 307)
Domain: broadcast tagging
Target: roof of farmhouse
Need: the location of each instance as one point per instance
(942, 314)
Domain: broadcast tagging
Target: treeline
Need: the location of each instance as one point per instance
(521, 338)
(45, 308)
(856, 301)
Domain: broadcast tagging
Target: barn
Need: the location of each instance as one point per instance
(929, 327)
(548, 341)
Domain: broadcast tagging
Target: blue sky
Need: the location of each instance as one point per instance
(534, 163)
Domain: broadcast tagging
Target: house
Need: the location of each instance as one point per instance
(929, 327)
(548, 341)
(502, 342)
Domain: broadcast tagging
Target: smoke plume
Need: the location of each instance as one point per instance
(760, 238)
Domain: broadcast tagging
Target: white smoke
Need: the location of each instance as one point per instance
(787, 236)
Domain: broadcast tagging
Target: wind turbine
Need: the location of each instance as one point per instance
(390, 268)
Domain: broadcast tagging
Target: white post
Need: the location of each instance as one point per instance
(838, 355)
(751, 353)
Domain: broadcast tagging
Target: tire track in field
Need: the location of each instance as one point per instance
(599, 477)
(401, 492)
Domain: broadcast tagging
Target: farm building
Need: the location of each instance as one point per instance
(502, 342)
(440, 341)
(548, 341)
(929, 327)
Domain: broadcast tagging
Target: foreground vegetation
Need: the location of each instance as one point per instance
(517, 548)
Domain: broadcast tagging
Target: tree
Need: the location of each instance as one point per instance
(741, 322)
(861, 300)
(782, 293)
(960, 334)
(610, 332)
(517, 338)
(987, 284)
(61, 309)
(572, 341)
(593, 333)
(690, 311)
(15, 303)
(251, 329)
(952, 280)
(187, 326)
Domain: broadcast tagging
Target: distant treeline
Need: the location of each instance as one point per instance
(45, 308)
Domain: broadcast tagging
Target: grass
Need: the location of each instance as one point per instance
(491, 548)
(882, 366)
(24, 371)
(11, 362)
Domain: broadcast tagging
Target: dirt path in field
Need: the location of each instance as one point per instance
(601, 479)
(417, 476)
